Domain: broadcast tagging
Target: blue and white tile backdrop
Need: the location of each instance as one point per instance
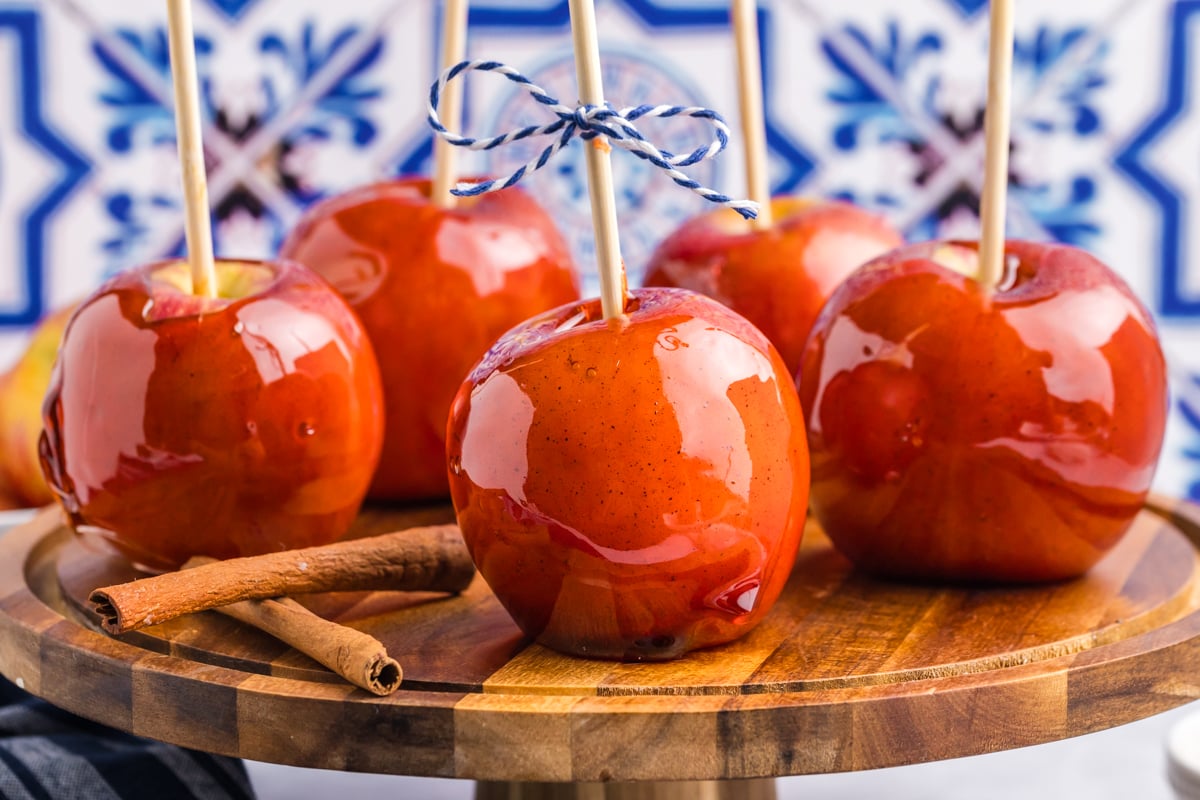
(876, 101)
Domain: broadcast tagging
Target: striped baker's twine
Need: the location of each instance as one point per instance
(586, 122)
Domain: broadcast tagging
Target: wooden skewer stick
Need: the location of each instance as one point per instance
(997, 122)
(358, 657)
(445, 155)
(599, 165)
(191, 147)
(750, 92)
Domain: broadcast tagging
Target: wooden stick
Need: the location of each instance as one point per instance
(750, 94)
(358, 657)
(191, 148)
(432, 559)
(599, 165)
(997, 124)
(445, 155)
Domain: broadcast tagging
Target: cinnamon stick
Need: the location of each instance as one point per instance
(358, 657)
(432, 558)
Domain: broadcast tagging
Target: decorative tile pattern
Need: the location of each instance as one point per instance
(1149, 160)
(39, 169)
(872, 101)
(232, 8)
(651, 53)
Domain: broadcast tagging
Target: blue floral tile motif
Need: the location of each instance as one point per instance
(968, 8)
(558, 14)
(1178, 109)
(633, 74)
(339, 88)
(1066, 206)
(868, 116)
(1189, 409)
(554, 19)
(1063, 209)
(139, 118)
(649, 204)
(1044, 52)
(135, 110)
(342, 110)
(67, 164)
(233, 9)
(893, 98)
(128, 211)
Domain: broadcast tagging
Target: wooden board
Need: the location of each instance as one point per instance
(845, 673)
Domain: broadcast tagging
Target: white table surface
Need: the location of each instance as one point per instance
(1125, 763)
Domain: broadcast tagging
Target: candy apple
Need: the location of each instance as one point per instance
(777, 277)
(434, 287)
(178, 425)
(631, 489)
(9, 500)
(965, 433)
(21, 392)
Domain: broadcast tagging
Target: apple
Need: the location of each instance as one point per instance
(434, 287)
(10, 502)
(22, 389)
(965, 433)
(631, 489)
(178, 425)
(9, 499)
(776, 277)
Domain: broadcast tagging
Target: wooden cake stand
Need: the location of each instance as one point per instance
(846, 673)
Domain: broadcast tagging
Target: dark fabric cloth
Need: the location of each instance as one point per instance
(48, 754)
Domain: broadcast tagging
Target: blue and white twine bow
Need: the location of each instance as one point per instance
(586, 122)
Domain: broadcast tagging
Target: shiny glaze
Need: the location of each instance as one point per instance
(631, 489)
(434, 288)
(957, 435)
(778, 278)
(179, 426)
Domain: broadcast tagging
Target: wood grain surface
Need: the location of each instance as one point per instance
(845, 673)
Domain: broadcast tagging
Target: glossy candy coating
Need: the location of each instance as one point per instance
(631, 489)
(180, 426)
(434, 288)
(778, 278)
(961, 436)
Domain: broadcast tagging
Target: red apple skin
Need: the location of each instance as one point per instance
(179, 426)
(631, 489)
(435, 288)
(777, 277)
(21, 392)
(959, 437)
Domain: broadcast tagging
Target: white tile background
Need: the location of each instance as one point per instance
(277, 140)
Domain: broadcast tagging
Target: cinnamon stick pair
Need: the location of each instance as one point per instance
(433, 558)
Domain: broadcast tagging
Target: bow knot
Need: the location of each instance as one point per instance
(582, 118)
(587, 122)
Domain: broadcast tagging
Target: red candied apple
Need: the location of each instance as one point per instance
(632, 489)
(22, 390)
(178, 425)
(972, 434)
(434, 287)
(777, 277)
(10, 498)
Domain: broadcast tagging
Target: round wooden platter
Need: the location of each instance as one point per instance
(846, 672)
